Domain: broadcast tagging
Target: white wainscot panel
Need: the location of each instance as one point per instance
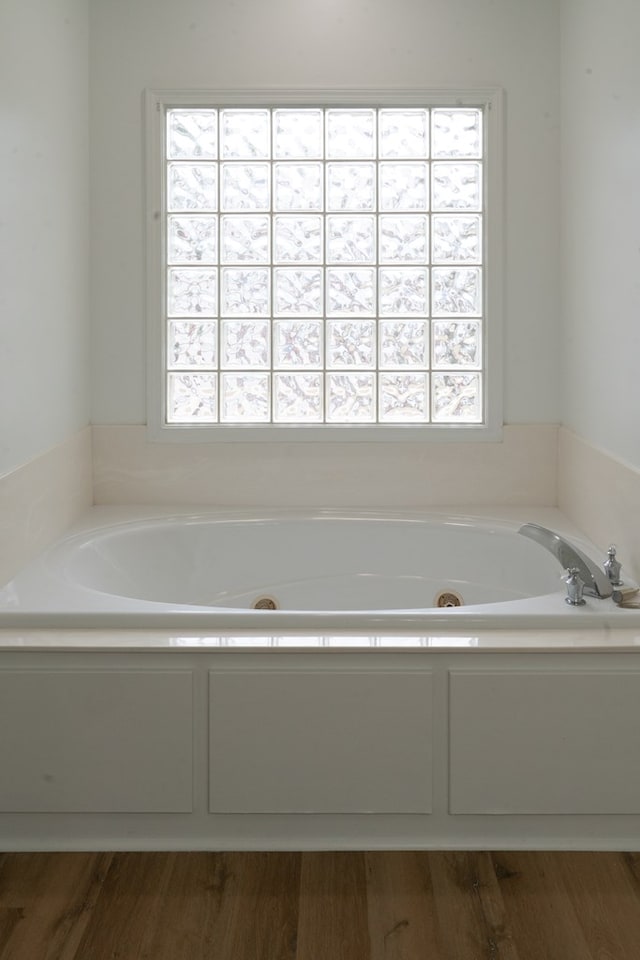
(321, 742)
(545, 743)
(108, 741)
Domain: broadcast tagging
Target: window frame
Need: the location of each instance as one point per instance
(490, 100)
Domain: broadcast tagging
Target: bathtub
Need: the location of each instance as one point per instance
(316, 570)
(146, 703)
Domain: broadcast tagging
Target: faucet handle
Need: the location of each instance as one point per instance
(612, 567)
(575, 587)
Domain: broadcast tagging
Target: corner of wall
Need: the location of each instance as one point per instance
(40, 500)
(601, 495)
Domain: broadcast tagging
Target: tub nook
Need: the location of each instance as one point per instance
(482, 278)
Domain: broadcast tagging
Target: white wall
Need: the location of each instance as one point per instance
(44, 226)
(599, 449)
(601, 213)
(319, 43)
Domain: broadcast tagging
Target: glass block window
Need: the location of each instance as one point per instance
(324, 265)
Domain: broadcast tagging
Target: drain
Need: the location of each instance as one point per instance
(448, 598)
(265, 603)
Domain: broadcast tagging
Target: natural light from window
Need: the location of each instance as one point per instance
(324, 265)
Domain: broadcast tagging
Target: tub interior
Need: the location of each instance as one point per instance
(308, 563)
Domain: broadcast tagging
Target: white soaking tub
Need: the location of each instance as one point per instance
(145, 703)
(317, 570)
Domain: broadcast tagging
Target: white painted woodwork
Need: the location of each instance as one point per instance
(201, 747)
(82, 741)
(327, 741)
(544, 742)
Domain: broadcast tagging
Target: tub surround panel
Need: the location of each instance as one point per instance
(520, 470)
(601, 495)
(113, 741)
(580, 755)
(330, 741)
(40, 500)
(273, 750)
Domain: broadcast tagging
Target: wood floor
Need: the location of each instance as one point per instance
(320, 906)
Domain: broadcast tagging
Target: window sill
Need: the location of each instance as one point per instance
(322, 433)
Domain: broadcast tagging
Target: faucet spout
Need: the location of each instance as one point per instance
(596, 582)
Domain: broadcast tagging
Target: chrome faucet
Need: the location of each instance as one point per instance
(596, 582)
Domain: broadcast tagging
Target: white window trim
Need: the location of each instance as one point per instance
(491, 99)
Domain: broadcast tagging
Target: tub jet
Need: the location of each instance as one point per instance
(265, 603)
(448, 598)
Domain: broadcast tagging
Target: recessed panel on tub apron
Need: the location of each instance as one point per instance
(111, 741)
(327, 741)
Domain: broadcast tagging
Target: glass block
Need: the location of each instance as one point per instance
(297, 186)
(404, 186)
(192, 186)
(403, 291)
(351, 343)
(192, 398)
(192, 292)
(298, 134)
(351, 239)
(245, 186)
(403, 343)
(244, 398)
(192, 239)
(244, 343)
(351, 186)
(351, 398)
(456, 291)
(191, 344)
(297, 397)
(297, 343)
(404, 397)
(456, 239)
(456, 133)
(351, 134)
(298, 293)
(456, 186)
(404, 134)
(245, 134)
(404, 239)
(244, 239)
(192, 134)
(456, 343)
(297, 239)
(456, 398)
(245, 292)
(351, 291)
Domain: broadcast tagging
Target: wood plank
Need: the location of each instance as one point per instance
(472, 921)
(401, 914)
(127, 909)
(320, 906)
(10, 917)
(605, 899)
(193, 889)
(333, 908)
(227, 906)
(541, 915)
(264, 920)
(631, 863)
(46, 903)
